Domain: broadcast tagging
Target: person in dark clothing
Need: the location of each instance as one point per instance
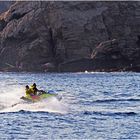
(34, 89)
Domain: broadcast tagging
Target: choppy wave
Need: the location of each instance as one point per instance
(110, 113)
(116, 100)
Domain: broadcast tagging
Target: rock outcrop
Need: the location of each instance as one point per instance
(70, 36)
(4, 5)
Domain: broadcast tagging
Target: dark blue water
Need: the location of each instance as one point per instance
(93, 106)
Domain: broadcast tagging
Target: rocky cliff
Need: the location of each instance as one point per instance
(4, 5)
(70, 36)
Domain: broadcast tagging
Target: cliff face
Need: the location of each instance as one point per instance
(59, 35)
(4, 5)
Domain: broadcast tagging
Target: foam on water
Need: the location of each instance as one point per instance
(10, 96)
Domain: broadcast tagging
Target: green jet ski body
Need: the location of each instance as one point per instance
(36, 98)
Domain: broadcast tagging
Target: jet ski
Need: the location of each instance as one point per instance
(38, 97)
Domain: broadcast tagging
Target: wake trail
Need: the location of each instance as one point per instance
(48, 105)
(11, 96)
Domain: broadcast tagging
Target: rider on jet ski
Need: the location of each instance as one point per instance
(32, 90)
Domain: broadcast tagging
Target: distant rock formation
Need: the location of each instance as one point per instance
(70, 36)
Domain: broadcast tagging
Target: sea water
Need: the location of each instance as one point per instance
(93, 106)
